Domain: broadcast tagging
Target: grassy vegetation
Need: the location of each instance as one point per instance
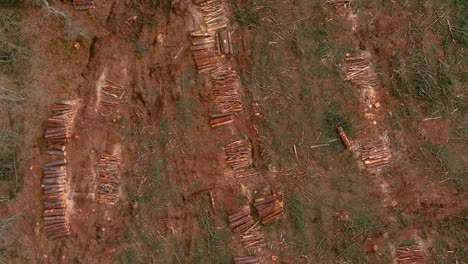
(215, 247)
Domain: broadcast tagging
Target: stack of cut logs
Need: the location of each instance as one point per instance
(55, 215)
(409, 255)
(214, 14)
(111, 93)
(245, 173)
(226, 88)
(217, 120)
(59, 125)
(338, 2)
(223, 42)
(375, 154)
(270, 208)
(203, 50)
(246, 260)
(239, 154)
(109, 179)
(359, 71)
(253, 237)
(82, 5)
(240, 219)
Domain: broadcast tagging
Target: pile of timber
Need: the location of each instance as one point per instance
(217, 120)
(253, 237)
(111, 94)
(226, 88)
(246, 173)
(83, 5)
(246, 260)
(359, 71)
(109, 179)
(56, 223)
(60, 123)
(224, 42)
(375, 154)
(270, 208)
(409, 255)
(214, 14)
(240, 219)
(239, 154)
(338, 2)
(203, 50)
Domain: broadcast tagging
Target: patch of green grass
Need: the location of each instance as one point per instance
(406, 243)
(297, 212)
(245, 14)
(216, 241)
(333, 118)
(127, 257)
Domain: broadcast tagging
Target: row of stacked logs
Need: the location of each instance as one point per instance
(240, 220)
(375, 154)
(109, 179)
(359, 71)
(409, 255)
(214, 14)
(226, 86)
(270, 208)
(111, 94)
(203, 51)
(239, 154)
(253, 237)
(54, 185)
(83, 5)
(59, 124)
(246, 260)
(222, 119)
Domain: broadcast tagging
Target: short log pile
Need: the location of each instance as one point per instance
(246, 173)
(217, 120)
(60, 123)
(253, 237)
(270, 208)
(83, 5)
(409, 255)
(203, 51)
(226, 88)
(224, 42)
(359, 71)
(246, 260)
(111, 94)
(214, 14)
(239, 154)
(56, 223)
(109, 179)
(375, 154)
(240, 219)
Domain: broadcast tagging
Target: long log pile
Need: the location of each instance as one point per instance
(375, 154)
(246, 260)
(240, 219)
(239, 154)
(60, 123)
(214, 14)
(217, 120)
(224, 42)
(83, 5)
(56, 223)
(253, 237)
(109, 179)
(226, 88)
(111, 94)
(203, 51)
(270, 208)
(409, 255)
(359, 71)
